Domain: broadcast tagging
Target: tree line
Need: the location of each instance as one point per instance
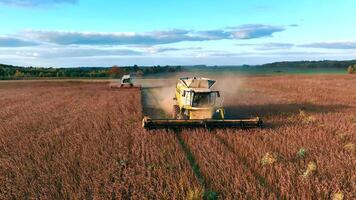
(17, 72)
(313, 64)
(352, 69)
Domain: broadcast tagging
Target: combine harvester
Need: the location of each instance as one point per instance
(125, 83)
(197, 105)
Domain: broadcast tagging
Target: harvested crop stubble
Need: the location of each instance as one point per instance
(224, 172)
(81, 140)
(286, 133)
(302, 113)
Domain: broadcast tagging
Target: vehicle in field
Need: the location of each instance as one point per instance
(198, 105)
(125, 82)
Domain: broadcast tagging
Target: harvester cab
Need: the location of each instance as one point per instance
(198, 105)
(126, 81)
(194, 99)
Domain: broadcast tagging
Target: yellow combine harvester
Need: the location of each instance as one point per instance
(197, 105)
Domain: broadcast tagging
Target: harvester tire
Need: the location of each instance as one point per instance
(175, 111)
(181, 115)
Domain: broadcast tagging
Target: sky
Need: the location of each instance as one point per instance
(71, 33)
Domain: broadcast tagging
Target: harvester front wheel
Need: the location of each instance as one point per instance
(176, 111)
(182, 114)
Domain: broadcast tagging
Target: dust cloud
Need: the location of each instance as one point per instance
(229, 87)
(158, 93)
(157, 96)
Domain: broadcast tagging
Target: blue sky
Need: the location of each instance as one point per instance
(215, 32)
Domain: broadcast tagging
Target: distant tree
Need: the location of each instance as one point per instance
(74, 74)
(18, 74)
(9, 71)
(116, 72)
(2, 72)
(92, 74)
(139, 73)
(352, 69)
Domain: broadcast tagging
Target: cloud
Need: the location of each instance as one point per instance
(15, 42)
(121, 38)
(224, 54)
(33, 3)
(151, 38)
(216, 34)
(88, 52)
(38, 58)
(250, 31)
(247, 31)
(274, 46)
(274, 54)
(331, 45)
(153, 50)
(69, 52)
(269, 46)
(320, 45)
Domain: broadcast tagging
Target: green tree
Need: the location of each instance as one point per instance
(18, 74)
(2, 72)
(116, 72)
(139, 72)
(351, 69)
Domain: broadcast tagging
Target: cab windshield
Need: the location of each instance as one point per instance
(204, 99)
(127, 80)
